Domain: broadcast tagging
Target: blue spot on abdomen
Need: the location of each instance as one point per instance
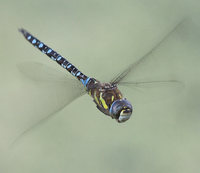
(69, 66)
(59, 58)
(49, 51)
(40, 45)
(34, 41)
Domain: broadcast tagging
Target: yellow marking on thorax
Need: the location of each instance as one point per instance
(90, 93)
(96, 99)
(113, 98)
(103, 101)
(120, 96)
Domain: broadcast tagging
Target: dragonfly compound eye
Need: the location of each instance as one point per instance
(121, 110)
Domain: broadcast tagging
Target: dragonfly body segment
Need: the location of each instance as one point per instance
(107, 96)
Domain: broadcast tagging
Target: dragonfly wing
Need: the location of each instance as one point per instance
(41, 72)
(151, 91)
(140, 65)
(47, 92)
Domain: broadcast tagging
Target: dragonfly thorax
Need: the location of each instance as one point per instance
(109, 100)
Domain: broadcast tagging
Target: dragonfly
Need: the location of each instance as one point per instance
(106, 95)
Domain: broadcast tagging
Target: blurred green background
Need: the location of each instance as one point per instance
(101, 38)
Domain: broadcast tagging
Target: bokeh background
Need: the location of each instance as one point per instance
(101, 38)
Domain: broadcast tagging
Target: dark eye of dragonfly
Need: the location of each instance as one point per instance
(121, 110)
(124, 114)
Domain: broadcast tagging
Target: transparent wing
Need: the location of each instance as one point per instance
(46, 93)
(151, 91)
(43, 73)
(151, 78)
(142, 64)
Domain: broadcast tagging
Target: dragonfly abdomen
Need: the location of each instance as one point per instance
(55, 56)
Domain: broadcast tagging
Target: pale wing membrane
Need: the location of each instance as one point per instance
(151, 91)
(41, 72)
(49, 92)
(144, 60)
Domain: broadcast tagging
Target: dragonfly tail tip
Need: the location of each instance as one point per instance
(23, 31)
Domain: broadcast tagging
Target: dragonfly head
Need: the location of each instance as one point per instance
(121, 110)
